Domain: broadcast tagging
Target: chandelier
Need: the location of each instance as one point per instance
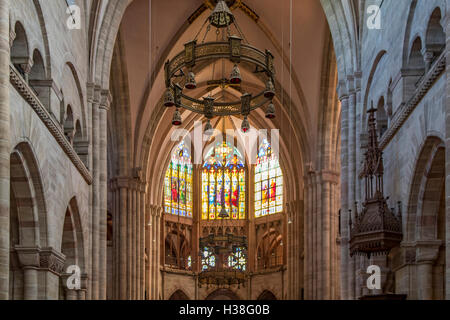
(180, 79)
(224, 260)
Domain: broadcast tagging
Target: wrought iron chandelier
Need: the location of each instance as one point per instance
(180, 77)
(224, 260)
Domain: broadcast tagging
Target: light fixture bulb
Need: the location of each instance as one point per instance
(235, 77)
(270, 89)
(208, 128)
(190, 81)
(176, 121)
(245, 125)
(270, 112)
(169, 100)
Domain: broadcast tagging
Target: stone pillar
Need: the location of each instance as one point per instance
(51, 267)
(320, 235)
(425, 280)
(130, 235)
(426, 255)
(29, 259)
(138, 241)
(5, 148)
(82, 293)
(446, 26)
(351, 173)
(156, 257)
(294, 257)
(103, 191)
(143, 228)
(123, 223)
(155, 252)
(95, 246)
(345, 272)
(148, 250)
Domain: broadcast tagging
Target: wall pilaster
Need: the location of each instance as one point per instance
(5, 147)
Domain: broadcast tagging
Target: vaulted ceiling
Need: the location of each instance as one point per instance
(154, 31)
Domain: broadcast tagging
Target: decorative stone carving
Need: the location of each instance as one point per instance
(52, 261)
(376, 229)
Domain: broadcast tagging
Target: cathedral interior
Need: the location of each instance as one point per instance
(224, 150)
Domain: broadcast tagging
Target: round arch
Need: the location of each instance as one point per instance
(428, 172)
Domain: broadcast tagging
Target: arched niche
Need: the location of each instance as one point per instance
(20, 55)
(179, 295)
(434, 38)
(267, 295)
(223, 294)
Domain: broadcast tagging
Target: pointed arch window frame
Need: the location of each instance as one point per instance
(235, 181)
(268, 182)
(178, 182)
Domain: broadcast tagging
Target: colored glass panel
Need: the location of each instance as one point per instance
(268, 182)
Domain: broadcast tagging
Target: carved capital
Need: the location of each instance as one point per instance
(28, 256)
(427, 251)
(105, 100)
(52, 261)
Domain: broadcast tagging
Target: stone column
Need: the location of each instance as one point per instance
(151, 252)
(320, 235)
(132, 241)
(426, 255)
(446, 25)
(95, 242)
(82, 293)
(5, 148)
(70, 293)
(351, 173)
(345, 272)
(102, 191)
(51, 267)
(138, 241)
(143, 228)
(30, 261)
(148, 250)
(121, 252)
(158, 252)
(155, 253)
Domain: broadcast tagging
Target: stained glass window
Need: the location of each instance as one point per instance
(237, 260)
(178, 183)
(208, 259)
(227, 181)
(189, 262)
(268, 182)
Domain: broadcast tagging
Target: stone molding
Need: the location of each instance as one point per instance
(41, 258)
(105, 100)
(52, 261)
(406, 109)
(54, 128)
(28, 256)
(49, 84)
(427, 251)
(127, 183)
(314, 177)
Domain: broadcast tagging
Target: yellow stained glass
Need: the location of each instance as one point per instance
(223, 181)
